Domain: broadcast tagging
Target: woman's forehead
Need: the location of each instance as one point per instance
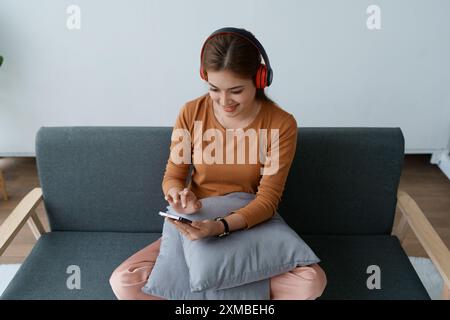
(225, 79)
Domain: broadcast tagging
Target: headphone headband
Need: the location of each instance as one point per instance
(247, 36)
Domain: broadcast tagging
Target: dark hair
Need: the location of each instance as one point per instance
(234, 53)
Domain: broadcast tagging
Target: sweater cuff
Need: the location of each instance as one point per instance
(250, 219)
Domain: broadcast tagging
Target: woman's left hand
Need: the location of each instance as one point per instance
(198, 229)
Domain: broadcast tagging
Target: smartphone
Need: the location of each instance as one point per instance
(175, 217)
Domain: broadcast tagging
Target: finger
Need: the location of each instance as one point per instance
(189, 193)
(196, 224)
(176, 197)
(170, 221)
(171, 202)
(185, 231)
(180, 226)
(168, 197)
(190, 228)
(190, 232)
(177, 225)
(183, 199)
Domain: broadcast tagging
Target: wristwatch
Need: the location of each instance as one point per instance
(225, 223)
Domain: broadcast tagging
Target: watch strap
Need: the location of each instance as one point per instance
(225, 223)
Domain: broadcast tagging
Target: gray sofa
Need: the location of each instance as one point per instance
(101, 187)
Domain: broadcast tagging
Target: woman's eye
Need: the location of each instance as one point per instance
(233, 92)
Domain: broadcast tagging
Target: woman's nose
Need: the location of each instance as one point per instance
(225, 100)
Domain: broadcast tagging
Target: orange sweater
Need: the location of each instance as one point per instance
(220, 168)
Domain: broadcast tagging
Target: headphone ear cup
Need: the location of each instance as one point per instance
(261, 77)
(202, 74)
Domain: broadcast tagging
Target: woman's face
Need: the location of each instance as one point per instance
(233, 96)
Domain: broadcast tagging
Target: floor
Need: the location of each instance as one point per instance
(422, 180)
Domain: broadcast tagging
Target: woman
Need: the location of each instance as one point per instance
(235, 107)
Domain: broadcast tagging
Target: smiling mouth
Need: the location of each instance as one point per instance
(230, 108)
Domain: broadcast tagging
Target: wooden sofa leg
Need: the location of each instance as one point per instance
(401, 229)
(445, 293)
(35, 225)
(3, 186)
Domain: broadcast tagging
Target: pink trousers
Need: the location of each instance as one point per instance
(302, 283)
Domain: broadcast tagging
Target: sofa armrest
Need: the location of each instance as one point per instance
(413, 217)
(21, 213)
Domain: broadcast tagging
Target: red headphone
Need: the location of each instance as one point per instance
(264, 75)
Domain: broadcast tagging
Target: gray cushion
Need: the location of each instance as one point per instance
(43, 273)
(170, 276)
(345, 260)
(261, 252)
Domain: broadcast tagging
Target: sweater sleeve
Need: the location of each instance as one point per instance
(271, 186)
(176, 171)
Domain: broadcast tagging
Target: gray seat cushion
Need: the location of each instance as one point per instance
(43, 274)
(345, 260)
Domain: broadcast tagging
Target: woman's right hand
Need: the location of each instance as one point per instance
(183, 200)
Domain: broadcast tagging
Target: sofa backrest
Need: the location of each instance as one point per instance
(342, 180)
(103, 178)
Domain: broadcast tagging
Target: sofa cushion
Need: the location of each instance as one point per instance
(43, 274)
(266, 250)
(170, 276)
(345, 260)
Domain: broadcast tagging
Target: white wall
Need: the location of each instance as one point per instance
(134, 63)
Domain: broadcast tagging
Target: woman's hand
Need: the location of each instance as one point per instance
(183, 200)
(198, 229)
